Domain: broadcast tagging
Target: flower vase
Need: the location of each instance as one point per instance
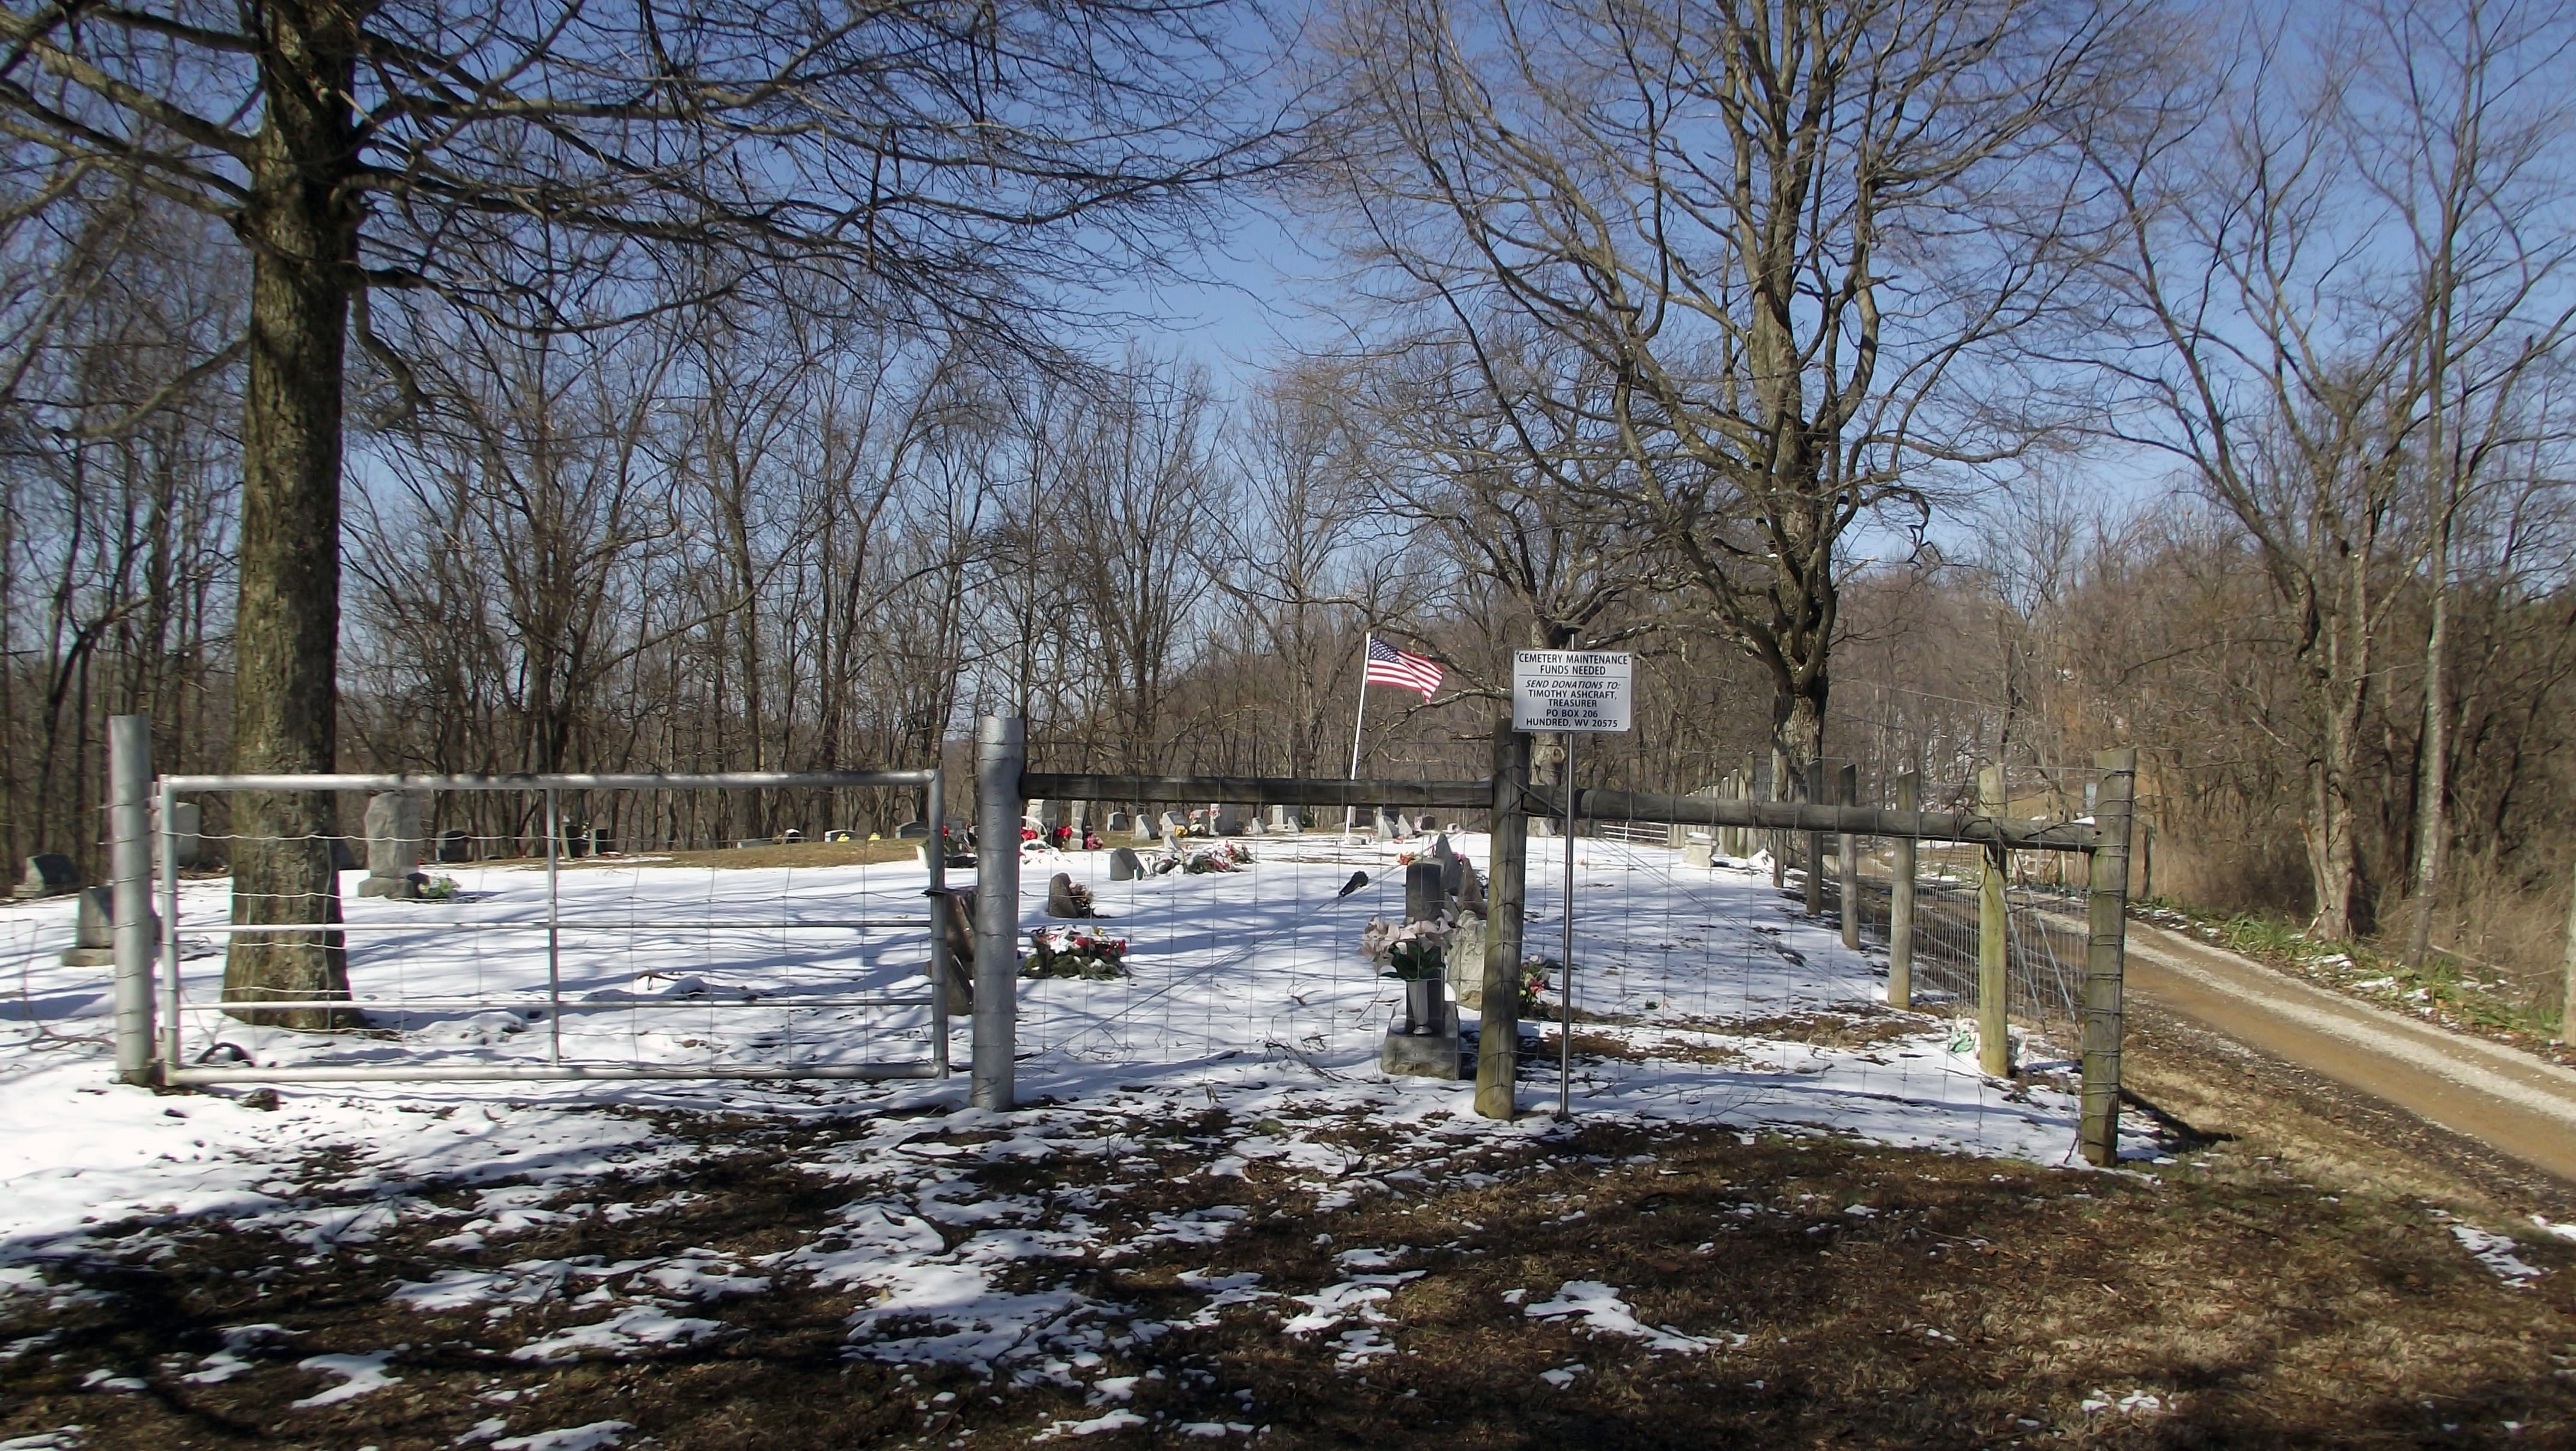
(1423, 1000)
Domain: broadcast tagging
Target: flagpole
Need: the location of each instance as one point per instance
(1350, 809)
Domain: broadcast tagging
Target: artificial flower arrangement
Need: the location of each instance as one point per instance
(1410, 951)
(1534, 976)
(1073, 952)
(1227, 857)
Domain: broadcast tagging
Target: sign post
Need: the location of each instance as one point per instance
(1575, 692)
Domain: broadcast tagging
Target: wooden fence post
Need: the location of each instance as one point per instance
(1815, 792)
(1780, 790)
(1994, 988)
(1847, 793)
(1506, 888)
(2567, 1009)
(2106, 955)
(1900, 905)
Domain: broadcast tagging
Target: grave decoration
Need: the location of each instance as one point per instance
(1228, 857)
(1073, 952)
(1536, 974)
(1417, 955)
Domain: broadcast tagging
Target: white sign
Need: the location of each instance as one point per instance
(1570, 690)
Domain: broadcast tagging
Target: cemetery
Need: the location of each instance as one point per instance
(1812, 725)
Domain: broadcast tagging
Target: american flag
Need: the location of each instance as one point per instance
(1388, 665)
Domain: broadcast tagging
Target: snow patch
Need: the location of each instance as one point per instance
(1604, 1313)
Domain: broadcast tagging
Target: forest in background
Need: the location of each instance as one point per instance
(2282, 496)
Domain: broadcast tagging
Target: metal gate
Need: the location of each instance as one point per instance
(595, 953)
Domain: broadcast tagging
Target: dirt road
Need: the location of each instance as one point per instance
(2509, 1101)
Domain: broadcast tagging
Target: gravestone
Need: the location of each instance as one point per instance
(1697, 854)
(1423, 899)
(1118, 822)
(1174, 825)
(393, 846)
(911, 831)
(1060, 900)
(94, 930)
(1124, 865)
(1223, 822)
(1292, 821)
(1471, 889)
(840, 836)
(1145, 829)
(185, 838)
(1465, 963)
(1251, 824)
(49, 874)
(1049, 814)
(600, 842)
(1449, 862)
(791, 836)
(455, 846)
(1436, 1054)
(1385, 829)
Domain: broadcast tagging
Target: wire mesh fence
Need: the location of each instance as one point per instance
(1699, 986)
(630, 936)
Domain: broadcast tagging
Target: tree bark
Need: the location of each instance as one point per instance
(301, 225)
(2432, 774)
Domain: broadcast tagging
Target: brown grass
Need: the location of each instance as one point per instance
(1978, 1303)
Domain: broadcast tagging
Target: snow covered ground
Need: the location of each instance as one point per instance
(1243, 985)
(1182, 1124)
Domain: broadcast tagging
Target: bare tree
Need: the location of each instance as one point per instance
(1303, 555)
(2338, 270)
(1794, 242)
(945, 163)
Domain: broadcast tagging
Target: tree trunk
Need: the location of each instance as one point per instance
(2333, 863)
(302, 228)
(2432, 774)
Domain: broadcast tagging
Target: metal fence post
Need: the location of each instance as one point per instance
(1900, 899)
(1994, 981)
(2106, 955)
(1001, 750)
(129, 825)
(935, 857)
(1847, 793)
(1506, 889)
